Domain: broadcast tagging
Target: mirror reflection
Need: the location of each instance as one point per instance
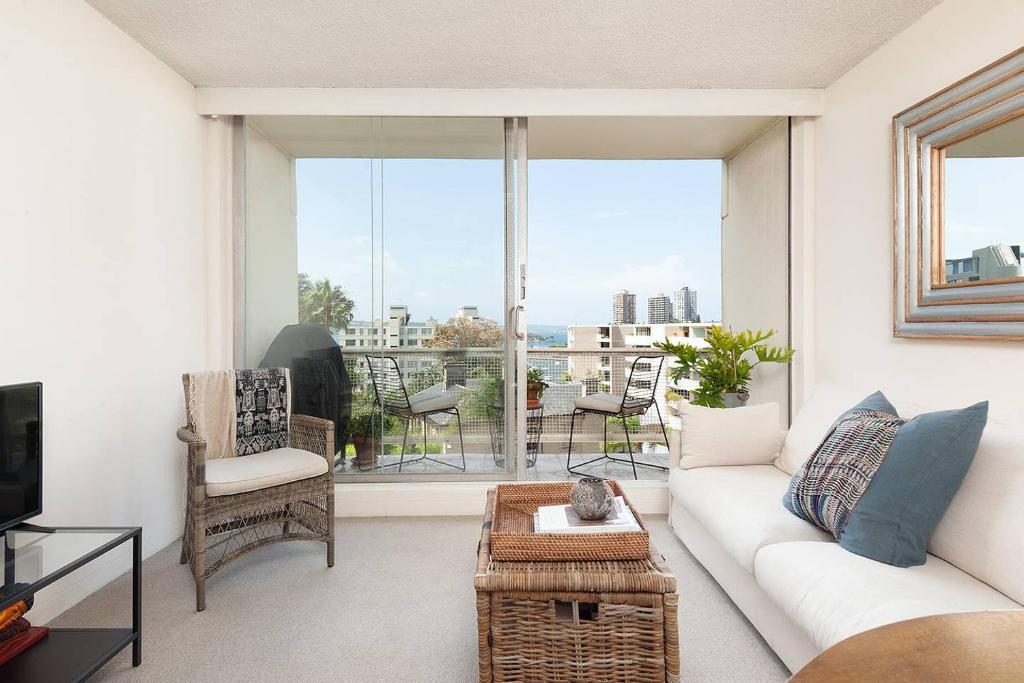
(983, 210)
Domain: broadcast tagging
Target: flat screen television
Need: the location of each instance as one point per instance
(21, 452)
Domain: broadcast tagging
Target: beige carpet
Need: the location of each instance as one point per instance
(397, 606)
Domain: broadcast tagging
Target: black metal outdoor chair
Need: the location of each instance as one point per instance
(637, 399)
(392, 398)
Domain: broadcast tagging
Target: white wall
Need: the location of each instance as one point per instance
(755, 253)
(801, 246)
(271, 245)
(853, 213)
(103, 266)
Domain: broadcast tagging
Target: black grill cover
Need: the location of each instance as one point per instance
(320, 383)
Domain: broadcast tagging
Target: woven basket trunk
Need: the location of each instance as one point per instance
(561, 622)
(513, 538)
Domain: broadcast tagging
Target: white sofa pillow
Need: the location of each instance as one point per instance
(822, 408)
(729, 436)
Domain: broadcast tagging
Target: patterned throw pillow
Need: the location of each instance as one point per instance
(261, 410)
(880, 483)
(833, 480)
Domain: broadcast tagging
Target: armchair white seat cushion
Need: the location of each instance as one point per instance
(603, 403)
(742, 508)
(228, 476)
(833, 594)
(430, 400)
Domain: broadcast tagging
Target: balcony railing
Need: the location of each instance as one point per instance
(477, 375)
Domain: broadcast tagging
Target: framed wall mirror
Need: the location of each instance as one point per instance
(958, 190)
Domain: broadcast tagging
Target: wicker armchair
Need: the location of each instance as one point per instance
(221, 525)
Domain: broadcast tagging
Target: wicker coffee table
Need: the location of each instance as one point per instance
(575, 621)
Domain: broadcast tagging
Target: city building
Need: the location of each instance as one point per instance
(684, 305)
(612, 370)
(623, 307)
(468, 312)
(399, 331)
(626, 336)
(993, 262)
(659, 309)
(396, 332)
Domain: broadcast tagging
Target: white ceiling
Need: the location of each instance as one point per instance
(521, 44)
(563, 137)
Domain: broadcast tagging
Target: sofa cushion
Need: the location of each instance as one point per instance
(822, 408)
(729, 436)
(880, 483)
(741, 506)
(982, 531)
(832, 594)
(828, 486)
(227, 476)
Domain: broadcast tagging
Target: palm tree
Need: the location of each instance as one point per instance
(324, 304)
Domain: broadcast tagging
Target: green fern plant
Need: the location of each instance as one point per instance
(722, 367)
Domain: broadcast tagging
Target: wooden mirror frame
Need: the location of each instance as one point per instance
(924, 304)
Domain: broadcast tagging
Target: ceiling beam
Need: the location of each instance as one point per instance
(508, 102)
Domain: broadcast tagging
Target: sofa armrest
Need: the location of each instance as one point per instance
(312, 434)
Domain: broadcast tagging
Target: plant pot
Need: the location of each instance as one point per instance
(367, 448)
(534, 392)
(736, 399)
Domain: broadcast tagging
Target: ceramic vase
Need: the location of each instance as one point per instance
(592, 498)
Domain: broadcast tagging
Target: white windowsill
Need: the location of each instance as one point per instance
(451, 499)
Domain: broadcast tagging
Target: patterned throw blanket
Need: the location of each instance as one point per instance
(261, 410)
(832, 481)
(240, 412)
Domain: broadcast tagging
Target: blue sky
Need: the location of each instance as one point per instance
(594, 227)
(984, 203)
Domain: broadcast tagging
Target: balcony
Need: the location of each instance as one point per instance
(476, 376)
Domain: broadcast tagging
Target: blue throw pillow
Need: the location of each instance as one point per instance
(880, 484)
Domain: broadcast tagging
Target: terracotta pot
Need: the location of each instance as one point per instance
(534, 392)
(367, 448)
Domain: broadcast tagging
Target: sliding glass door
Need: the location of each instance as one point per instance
(396, 243)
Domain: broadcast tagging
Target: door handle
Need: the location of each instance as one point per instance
(515, 322)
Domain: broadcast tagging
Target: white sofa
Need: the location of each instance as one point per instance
(801, 590)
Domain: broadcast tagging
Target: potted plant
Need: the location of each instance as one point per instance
(724, 372)
(365, 430)
(535, 384)
(672, 399)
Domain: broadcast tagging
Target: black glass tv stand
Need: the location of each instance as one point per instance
(34, 528)
(35, 557)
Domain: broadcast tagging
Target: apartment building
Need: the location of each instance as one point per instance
(684, 304)
(994, 262)
(623, 307)
(399, 331)
(612, 370)
(659, 309)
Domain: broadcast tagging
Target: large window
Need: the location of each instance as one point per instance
(383, 265)
(395, 247)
